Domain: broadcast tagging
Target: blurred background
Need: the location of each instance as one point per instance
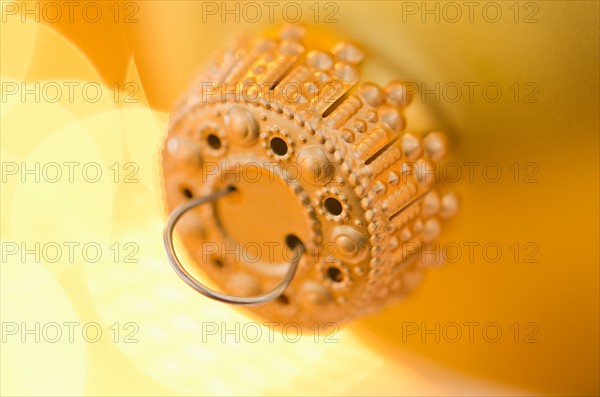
(515, 86)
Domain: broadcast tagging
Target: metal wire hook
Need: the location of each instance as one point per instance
(201, 288)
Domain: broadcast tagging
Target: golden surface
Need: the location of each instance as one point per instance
(312, 157)
(559, 213)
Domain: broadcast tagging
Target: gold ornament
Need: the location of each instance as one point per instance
(300, 164)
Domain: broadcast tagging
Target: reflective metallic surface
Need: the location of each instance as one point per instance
(314, 155)
(198, 286)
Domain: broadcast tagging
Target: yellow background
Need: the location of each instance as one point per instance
(161, 52)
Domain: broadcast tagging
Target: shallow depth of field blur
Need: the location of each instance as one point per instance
(531, 272)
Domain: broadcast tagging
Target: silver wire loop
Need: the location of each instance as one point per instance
(201, 288)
